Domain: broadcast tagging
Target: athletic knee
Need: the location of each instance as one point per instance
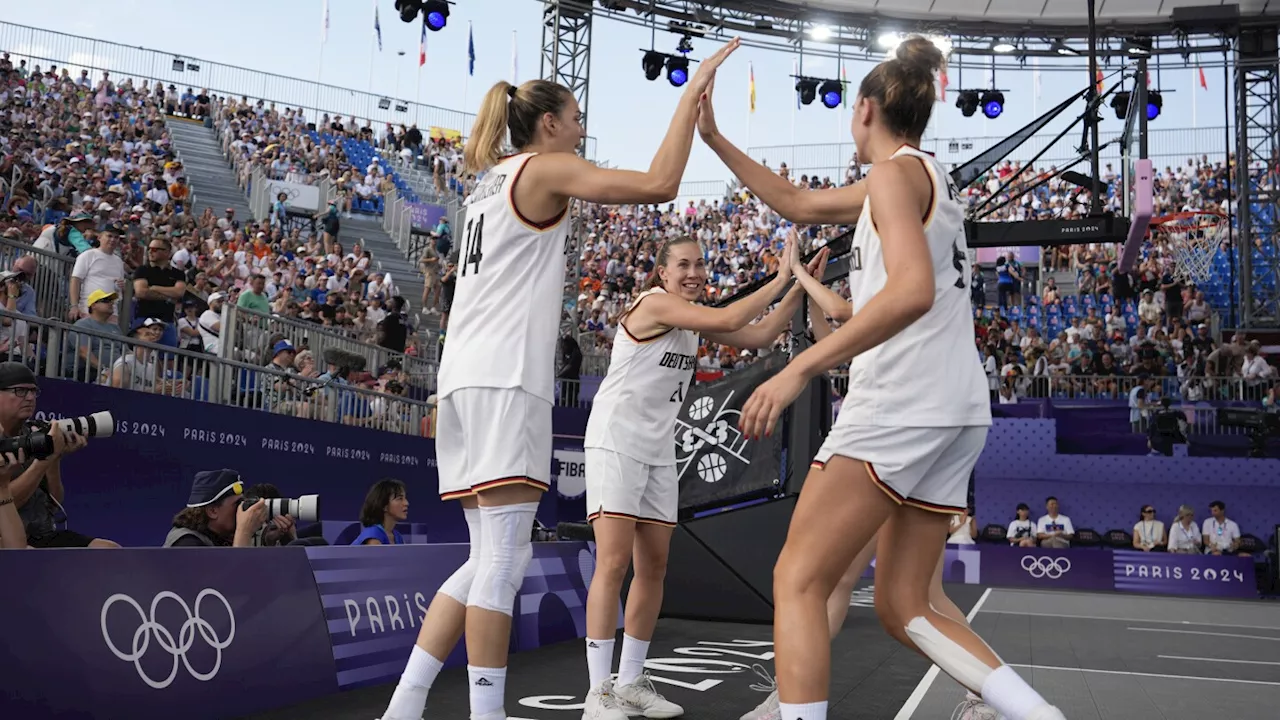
(458, 585)
(505, 554)
(794, 577)
(611, 565)
(651, 567)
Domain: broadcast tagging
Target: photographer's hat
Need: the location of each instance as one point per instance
(211, 486)
(13, 374)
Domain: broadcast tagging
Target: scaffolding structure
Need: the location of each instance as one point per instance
(1257, 123)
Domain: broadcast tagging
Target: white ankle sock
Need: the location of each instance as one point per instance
(807, 711)
(1010, 695)
(410, 696)
(488, 685)
(631, 664)
(599, 660)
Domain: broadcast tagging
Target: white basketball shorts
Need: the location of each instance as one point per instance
(925, 467)
(623, 487)
(490, 437)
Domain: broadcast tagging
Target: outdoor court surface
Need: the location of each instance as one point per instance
(1098, 657)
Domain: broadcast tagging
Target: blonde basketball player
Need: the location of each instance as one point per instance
(897, 457)
(826, 305)
(632, 487)
(497, 376)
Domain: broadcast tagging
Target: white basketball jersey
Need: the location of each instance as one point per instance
(505, 320)
(928, 375)
(634, 412)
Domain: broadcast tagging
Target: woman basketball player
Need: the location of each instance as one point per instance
(898, 456)
(632, 487)
(497, 376)
(824, 303)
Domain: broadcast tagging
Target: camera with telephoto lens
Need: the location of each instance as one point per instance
(303, 509)
(37, 443)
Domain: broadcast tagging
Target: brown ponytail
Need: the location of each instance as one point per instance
(506, 108)
(903, 86)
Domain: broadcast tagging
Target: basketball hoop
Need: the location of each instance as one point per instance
(1194, 239)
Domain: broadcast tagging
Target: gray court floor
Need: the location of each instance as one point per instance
(1118, 657)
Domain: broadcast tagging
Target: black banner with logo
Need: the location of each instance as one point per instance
(715, 462)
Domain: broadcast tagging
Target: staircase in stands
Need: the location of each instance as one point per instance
(213, 183)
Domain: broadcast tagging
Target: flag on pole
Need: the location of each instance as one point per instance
(844, 86)
(324, 24)
(1203, 83)
(515, 60)
(471, 50)
(943, 82)
(751, 85)
(795, 78)
(422, 46)
(377, 25)
(1098, 82)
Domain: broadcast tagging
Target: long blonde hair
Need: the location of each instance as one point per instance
(508, 109)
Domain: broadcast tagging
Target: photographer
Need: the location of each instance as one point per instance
(277, 531)
(214, 516)
(38, 491)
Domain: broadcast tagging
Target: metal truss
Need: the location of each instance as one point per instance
(566, 59)
(1257, 122)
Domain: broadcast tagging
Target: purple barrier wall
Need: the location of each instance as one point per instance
(1021, 464)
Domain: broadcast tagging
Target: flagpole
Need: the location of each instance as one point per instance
(1195, 121)
(795, 70)
(466, 79)
(515, 67)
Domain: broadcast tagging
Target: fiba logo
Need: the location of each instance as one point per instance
(1046, 567)
(149, 626)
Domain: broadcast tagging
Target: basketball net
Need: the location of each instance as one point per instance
(1194, 239)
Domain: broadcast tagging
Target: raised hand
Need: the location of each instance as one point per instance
(817, 267)
(706, 73)
(785, 264)
(706, 113)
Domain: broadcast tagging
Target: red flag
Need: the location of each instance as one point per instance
(944, 81)
(1098, 82)
(1203, 84)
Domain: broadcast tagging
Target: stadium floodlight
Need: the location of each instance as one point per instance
(820, 32)
(832, 93)
(652, 64)
(967, 102)
(677, 70)
(889, 40)
(1003, 47)
(808, 89)
(992, 104)
(1154, 104)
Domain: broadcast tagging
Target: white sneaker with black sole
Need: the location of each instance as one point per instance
(602, 704)
(640, 698)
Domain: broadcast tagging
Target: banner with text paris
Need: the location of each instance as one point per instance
(715, 462)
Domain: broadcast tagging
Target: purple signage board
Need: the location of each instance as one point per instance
(963, 564)
(1177, 574)
(136, 633)
(425, 216)
(1044, 569)
(374, 599)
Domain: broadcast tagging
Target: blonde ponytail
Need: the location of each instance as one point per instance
(489, 131)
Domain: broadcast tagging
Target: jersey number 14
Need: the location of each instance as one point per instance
(472, 247)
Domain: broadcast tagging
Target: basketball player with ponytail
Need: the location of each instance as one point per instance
(497, 375)
(632, 487)
(897, 460)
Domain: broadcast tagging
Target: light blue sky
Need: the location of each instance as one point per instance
(628, 114)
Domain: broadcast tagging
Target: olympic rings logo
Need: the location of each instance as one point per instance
(1046, 567)
(149, 626)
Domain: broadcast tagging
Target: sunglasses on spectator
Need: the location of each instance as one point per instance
(1148, 510)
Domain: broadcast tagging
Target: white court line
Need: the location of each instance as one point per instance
(1217, 660)
(1150, 675)
(1132, 620)
(917, 695)
(1201, 632)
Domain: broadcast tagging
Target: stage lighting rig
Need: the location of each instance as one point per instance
(435, 13)
(1120, 103)
(652, 64)
(677, 70)
(832, 93)
(992, 104)
(808, 89)
(967, 101)
(685, 46)
(1155, 103)
(677, 66)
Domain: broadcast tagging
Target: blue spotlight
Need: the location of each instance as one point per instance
(437, 14)
(677, 70)
(992, 104)
(832, 93)
(1154, 104)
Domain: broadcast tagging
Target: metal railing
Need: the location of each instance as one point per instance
(57, 350)
(248, 336)
(52, 283)
(1167, 147)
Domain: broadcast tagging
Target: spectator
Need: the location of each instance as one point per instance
(277, 530)
(214, 515)
(1184, 535)
(38, 491)
(1022, 532)
(1221, 534)
(211, 324)
(255, 298)
(97, 269)
(385, 506)
(93, 356)
(963, 528)
(1148, 534)
(1052, 529)
(568, 369)
(140, 368)
(157, 288)
(392, 331)
(189, 337)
